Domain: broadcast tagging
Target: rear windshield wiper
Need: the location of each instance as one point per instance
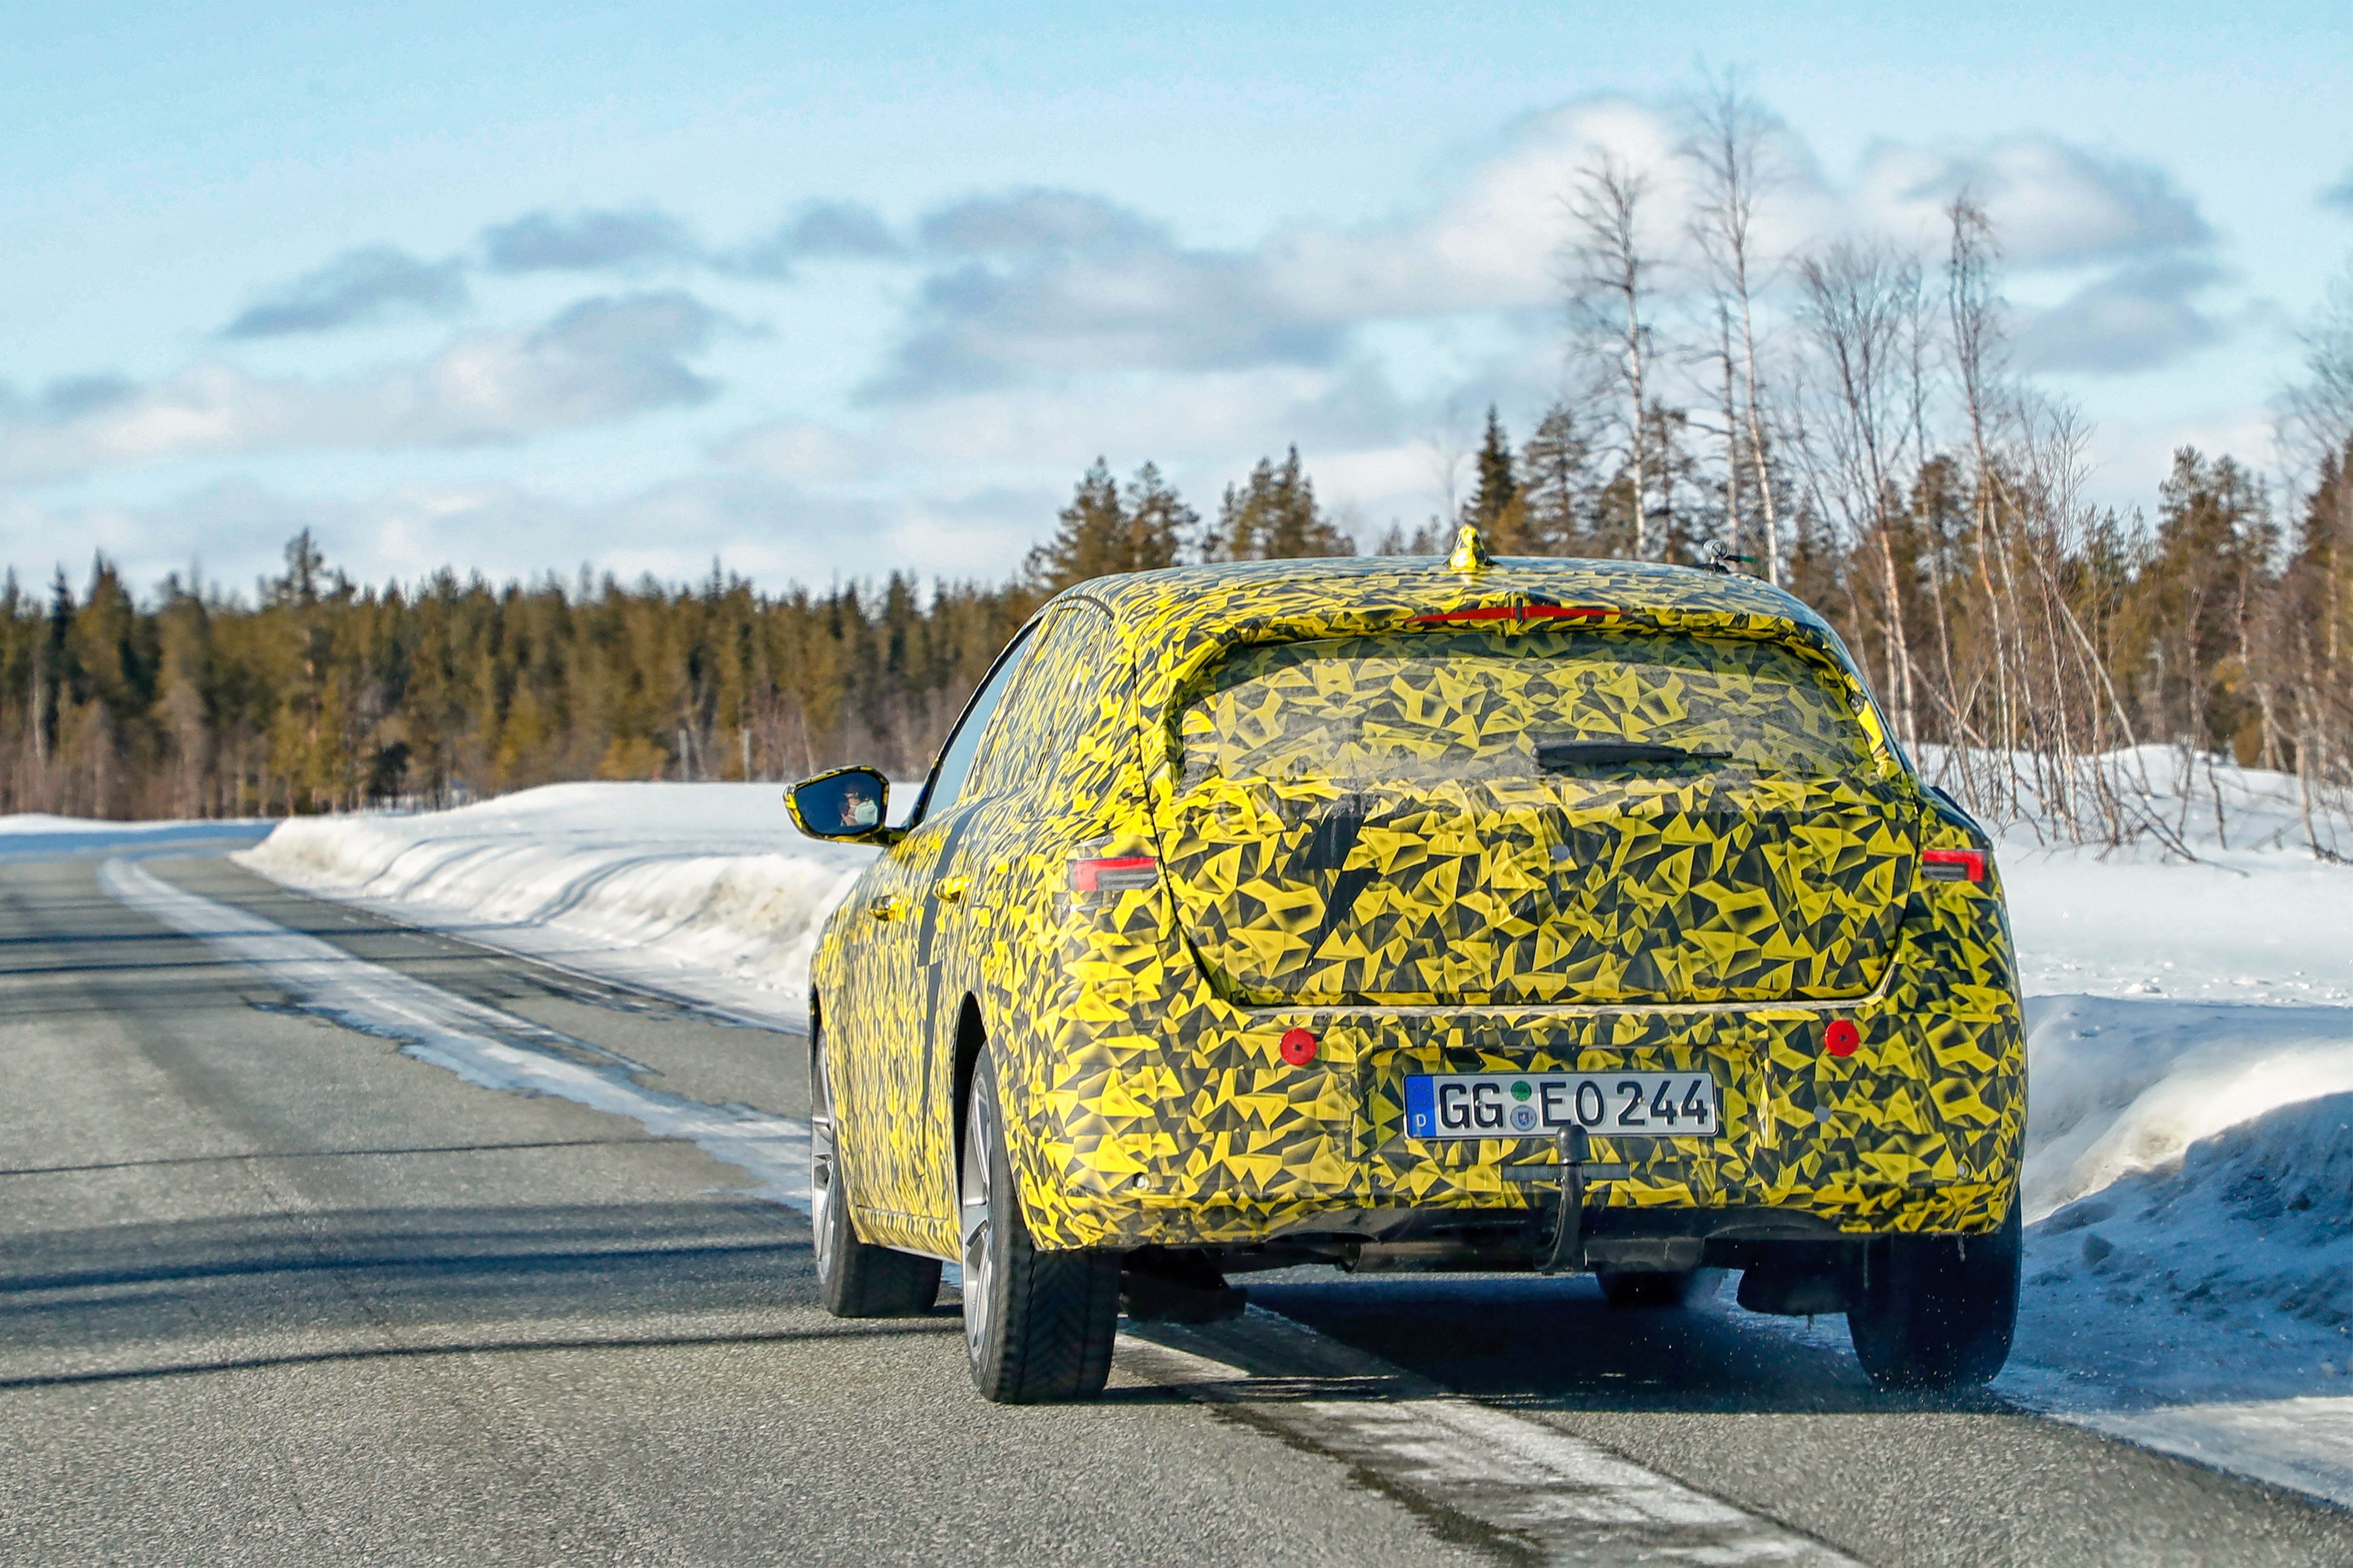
(1558, 756)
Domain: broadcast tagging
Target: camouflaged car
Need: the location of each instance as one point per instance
(1414, 914)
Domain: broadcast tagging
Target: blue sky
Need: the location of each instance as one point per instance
(824, 290)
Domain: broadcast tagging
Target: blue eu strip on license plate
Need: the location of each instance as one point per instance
(1538, 1104)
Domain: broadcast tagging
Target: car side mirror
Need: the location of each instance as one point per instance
(848, 805)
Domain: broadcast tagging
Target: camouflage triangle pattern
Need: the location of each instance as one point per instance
(1524, 922)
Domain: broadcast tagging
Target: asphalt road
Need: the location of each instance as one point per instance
(273, 1291)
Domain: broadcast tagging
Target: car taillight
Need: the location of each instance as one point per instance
(1841, 1038)
(1953, 865)
(1119, 874)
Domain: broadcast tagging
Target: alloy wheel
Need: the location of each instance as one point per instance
(974, 1188)
(824, 1191)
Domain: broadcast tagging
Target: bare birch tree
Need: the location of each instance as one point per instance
(1610, 281)
(2318, 413)
(1731, 135)
(1860, 306)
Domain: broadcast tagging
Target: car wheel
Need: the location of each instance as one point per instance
(1038, 1326)
(1652, 1288)
(854, 1278)
(1937, 1311)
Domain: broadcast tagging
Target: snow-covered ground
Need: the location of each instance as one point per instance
(2189, 1177)
(703, 890)
(2189, 1147)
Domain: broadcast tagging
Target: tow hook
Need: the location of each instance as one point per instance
(1572, 1164)
(1572, 1150)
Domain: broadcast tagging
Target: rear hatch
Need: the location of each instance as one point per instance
(1576, 815)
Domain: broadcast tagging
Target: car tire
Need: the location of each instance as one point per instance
(1636, 1287)
(1038, 1326)
(854, 1278)
(1937, 1311)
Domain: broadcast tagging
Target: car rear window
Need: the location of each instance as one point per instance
(1476, 705)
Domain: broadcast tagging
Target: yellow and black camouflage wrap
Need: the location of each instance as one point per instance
(1332, 763)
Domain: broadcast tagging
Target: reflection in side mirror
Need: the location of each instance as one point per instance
(846, 804)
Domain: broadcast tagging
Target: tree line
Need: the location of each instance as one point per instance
(1843, 422)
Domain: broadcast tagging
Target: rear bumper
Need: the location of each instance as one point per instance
(1148, 1110)
(1212, 1139)
(1656, 1207)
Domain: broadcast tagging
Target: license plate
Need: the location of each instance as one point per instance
(1538, 1104)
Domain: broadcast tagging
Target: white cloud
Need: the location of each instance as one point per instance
(589, 242)
(1201, 422)
(2129, 458)
(819, 231)
(1044, 284)
(602, 360)
(2050, 203)
(359, 286)
(802, 451)
(2132, 318)
(1496, 241)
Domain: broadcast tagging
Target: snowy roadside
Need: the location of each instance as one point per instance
(701, 891)
(2189, 1181)
(2189, 1175)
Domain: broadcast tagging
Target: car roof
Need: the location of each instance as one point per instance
(1233, 591)
(1175, 620)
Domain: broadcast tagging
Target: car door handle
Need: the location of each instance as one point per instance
(888, 907)
(952, 890)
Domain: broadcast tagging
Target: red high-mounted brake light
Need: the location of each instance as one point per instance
(1513, 612)
(1120, 873)
(1954, 865)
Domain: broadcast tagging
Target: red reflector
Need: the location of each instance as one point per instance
(1841, 1038)
(1117, 875)
(1298, 1047)
(1954, 865)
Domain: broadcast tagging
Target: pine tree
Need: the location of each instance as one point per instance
(1158, 523)
(1496, 508)
(1273, 516)
(1102, 532)
(2194, 601)
(1090, 534)
(1559, 495)
(1430, 538)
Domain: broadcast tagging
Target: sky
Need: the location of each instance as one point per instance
(824, 292)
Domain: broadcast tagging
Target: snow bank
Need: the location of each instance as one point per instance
(2223, 1273)
(2168, 1002)
(2120, 1087)
(2188, 1183)
(676, 882)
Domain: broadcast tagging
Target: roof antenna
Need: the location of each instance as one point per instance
(1470, 553)
(1719, 559)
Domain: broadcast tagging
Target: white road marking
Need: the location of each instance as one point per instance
(1567, 1498)
(1546, 1490)
(468, 1038)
